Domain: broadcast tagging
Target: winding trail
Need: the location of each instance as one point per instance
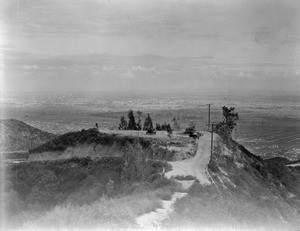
(153, 219)
(196, 166)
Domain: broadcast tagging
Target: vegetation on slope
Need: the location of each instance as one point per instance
(19, 136)
(109, 144)
(90, 136)
(272, 171)
(247, 193)
(103, 188)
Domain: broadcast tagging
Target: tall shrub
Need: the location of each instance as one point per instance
(123, 124)
(148, 124)
(131, 122)
(135, 167)
(229, 123)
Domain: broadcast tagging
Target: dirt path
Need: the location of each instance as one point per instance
(196, 166)
(153, 219)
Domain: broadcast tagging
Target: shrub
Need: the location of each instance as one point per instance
(191, 128)
(158, 127)
(162, 182)
(226, 127)
(135, 167)
(148, 125)
(123, 124)
(164, 193)
(131, 121)
(166, 127)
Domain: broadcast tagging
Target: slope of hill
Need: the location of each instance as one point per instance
(94, 144)
(105, 193)
(19, 136)
(246, 193)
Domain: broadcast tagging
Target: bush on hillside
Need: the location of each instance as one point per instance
(135, 167)
(139, 123)
(148, 125)
(163, 127)
(123, 124)
(191, 128)
(131, 121)
(229, 123)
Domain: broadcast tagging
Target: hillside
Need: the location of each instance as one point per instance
(233, 190)
(82, 193)
(95, 144)
(246, 193)
(19, 136)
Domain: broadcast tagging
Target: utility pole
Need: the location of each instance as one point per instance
(211, 141)
(208, 122)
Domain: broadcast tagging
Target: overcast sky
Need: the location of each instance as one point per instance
(57, 45)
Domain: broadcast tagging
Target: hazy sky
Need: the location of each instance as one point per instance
(163, 45)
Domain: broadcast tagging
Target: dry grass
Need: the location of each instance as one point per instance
(105, 213)
(164, 193)
(213, 210)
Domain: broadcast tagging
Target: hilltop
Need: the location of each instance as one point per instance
(19, 136)
(95, 144)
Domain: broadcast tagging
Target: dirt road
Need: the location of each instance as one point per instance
(196, 166)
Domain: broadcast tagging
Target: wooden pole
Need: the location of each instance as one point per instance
(208, 122)
(211, 141)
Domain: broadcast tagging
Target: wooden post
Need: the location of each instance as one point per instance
(208, 122)
(211, 141)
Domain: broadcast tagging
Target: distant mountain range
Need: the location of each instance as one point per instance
(19, 136)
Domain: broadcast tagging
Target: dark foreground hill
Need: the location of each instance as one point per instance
(19, 136)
